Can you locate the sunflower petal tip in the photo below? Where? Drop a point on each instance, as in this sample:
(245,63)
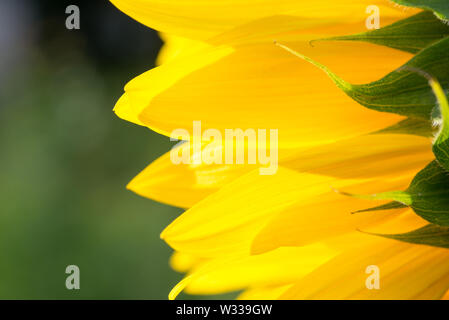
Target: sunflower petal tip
(177,289)
(121,102)
(134,185)
(165,233)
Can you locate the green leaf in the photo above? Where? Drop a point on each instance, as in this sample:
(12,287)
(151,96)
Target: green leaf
(403,91)
(441,144)
(431,235)
(411,35)
(440,7)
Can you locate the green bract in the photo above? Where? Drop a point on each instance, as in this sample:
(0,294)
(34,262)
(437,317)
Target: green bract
(410,35)
(441,144)
(440,7)
(427,195)
(431,235)
(417,91)
(403,91)
(429,192)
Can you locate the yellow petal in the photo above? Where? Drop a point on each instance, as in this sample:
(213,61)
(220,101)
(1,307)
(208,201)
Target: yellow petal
(269,273)
(368,156)
(291,28)
(399,223)
(140,90)
(175,47)
(280,267)
(406,272)
(263,87)
(183,185)
(263,293)
(203,19)
(183,262)
(327,214)
(225,222)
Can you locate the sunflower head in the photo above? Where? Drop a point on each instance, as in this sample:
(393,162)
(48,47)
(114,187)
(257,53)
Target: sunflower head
(353,122)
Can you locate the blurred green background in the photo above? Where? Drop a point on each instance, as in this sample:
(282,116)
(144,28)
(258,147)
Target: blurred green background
(66,158)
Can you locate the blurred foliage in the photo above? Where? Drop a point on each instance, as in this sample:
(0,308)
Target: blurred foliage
(65,161)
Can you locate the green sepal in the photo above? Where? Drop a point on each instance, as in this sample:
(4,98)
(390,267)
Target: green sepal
(441,144)
(403,91)
(402,197)
(429,191)
(431,235)
(411,35)
(388,206)
(427,195)
(439,7)
(414,126)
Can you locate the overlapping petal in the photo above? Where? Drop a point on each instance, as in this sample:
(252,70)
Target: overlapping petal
(406,271)
(261,86)
(203,19)
(277,268)
(329,215)
(263,293)
(256,214)
(175,46)
(279,272)
(226,222)
(362,157)
(290,235)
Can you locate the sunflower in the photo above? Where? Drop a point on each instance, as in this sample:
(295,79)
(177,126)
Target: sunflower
(357,121)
